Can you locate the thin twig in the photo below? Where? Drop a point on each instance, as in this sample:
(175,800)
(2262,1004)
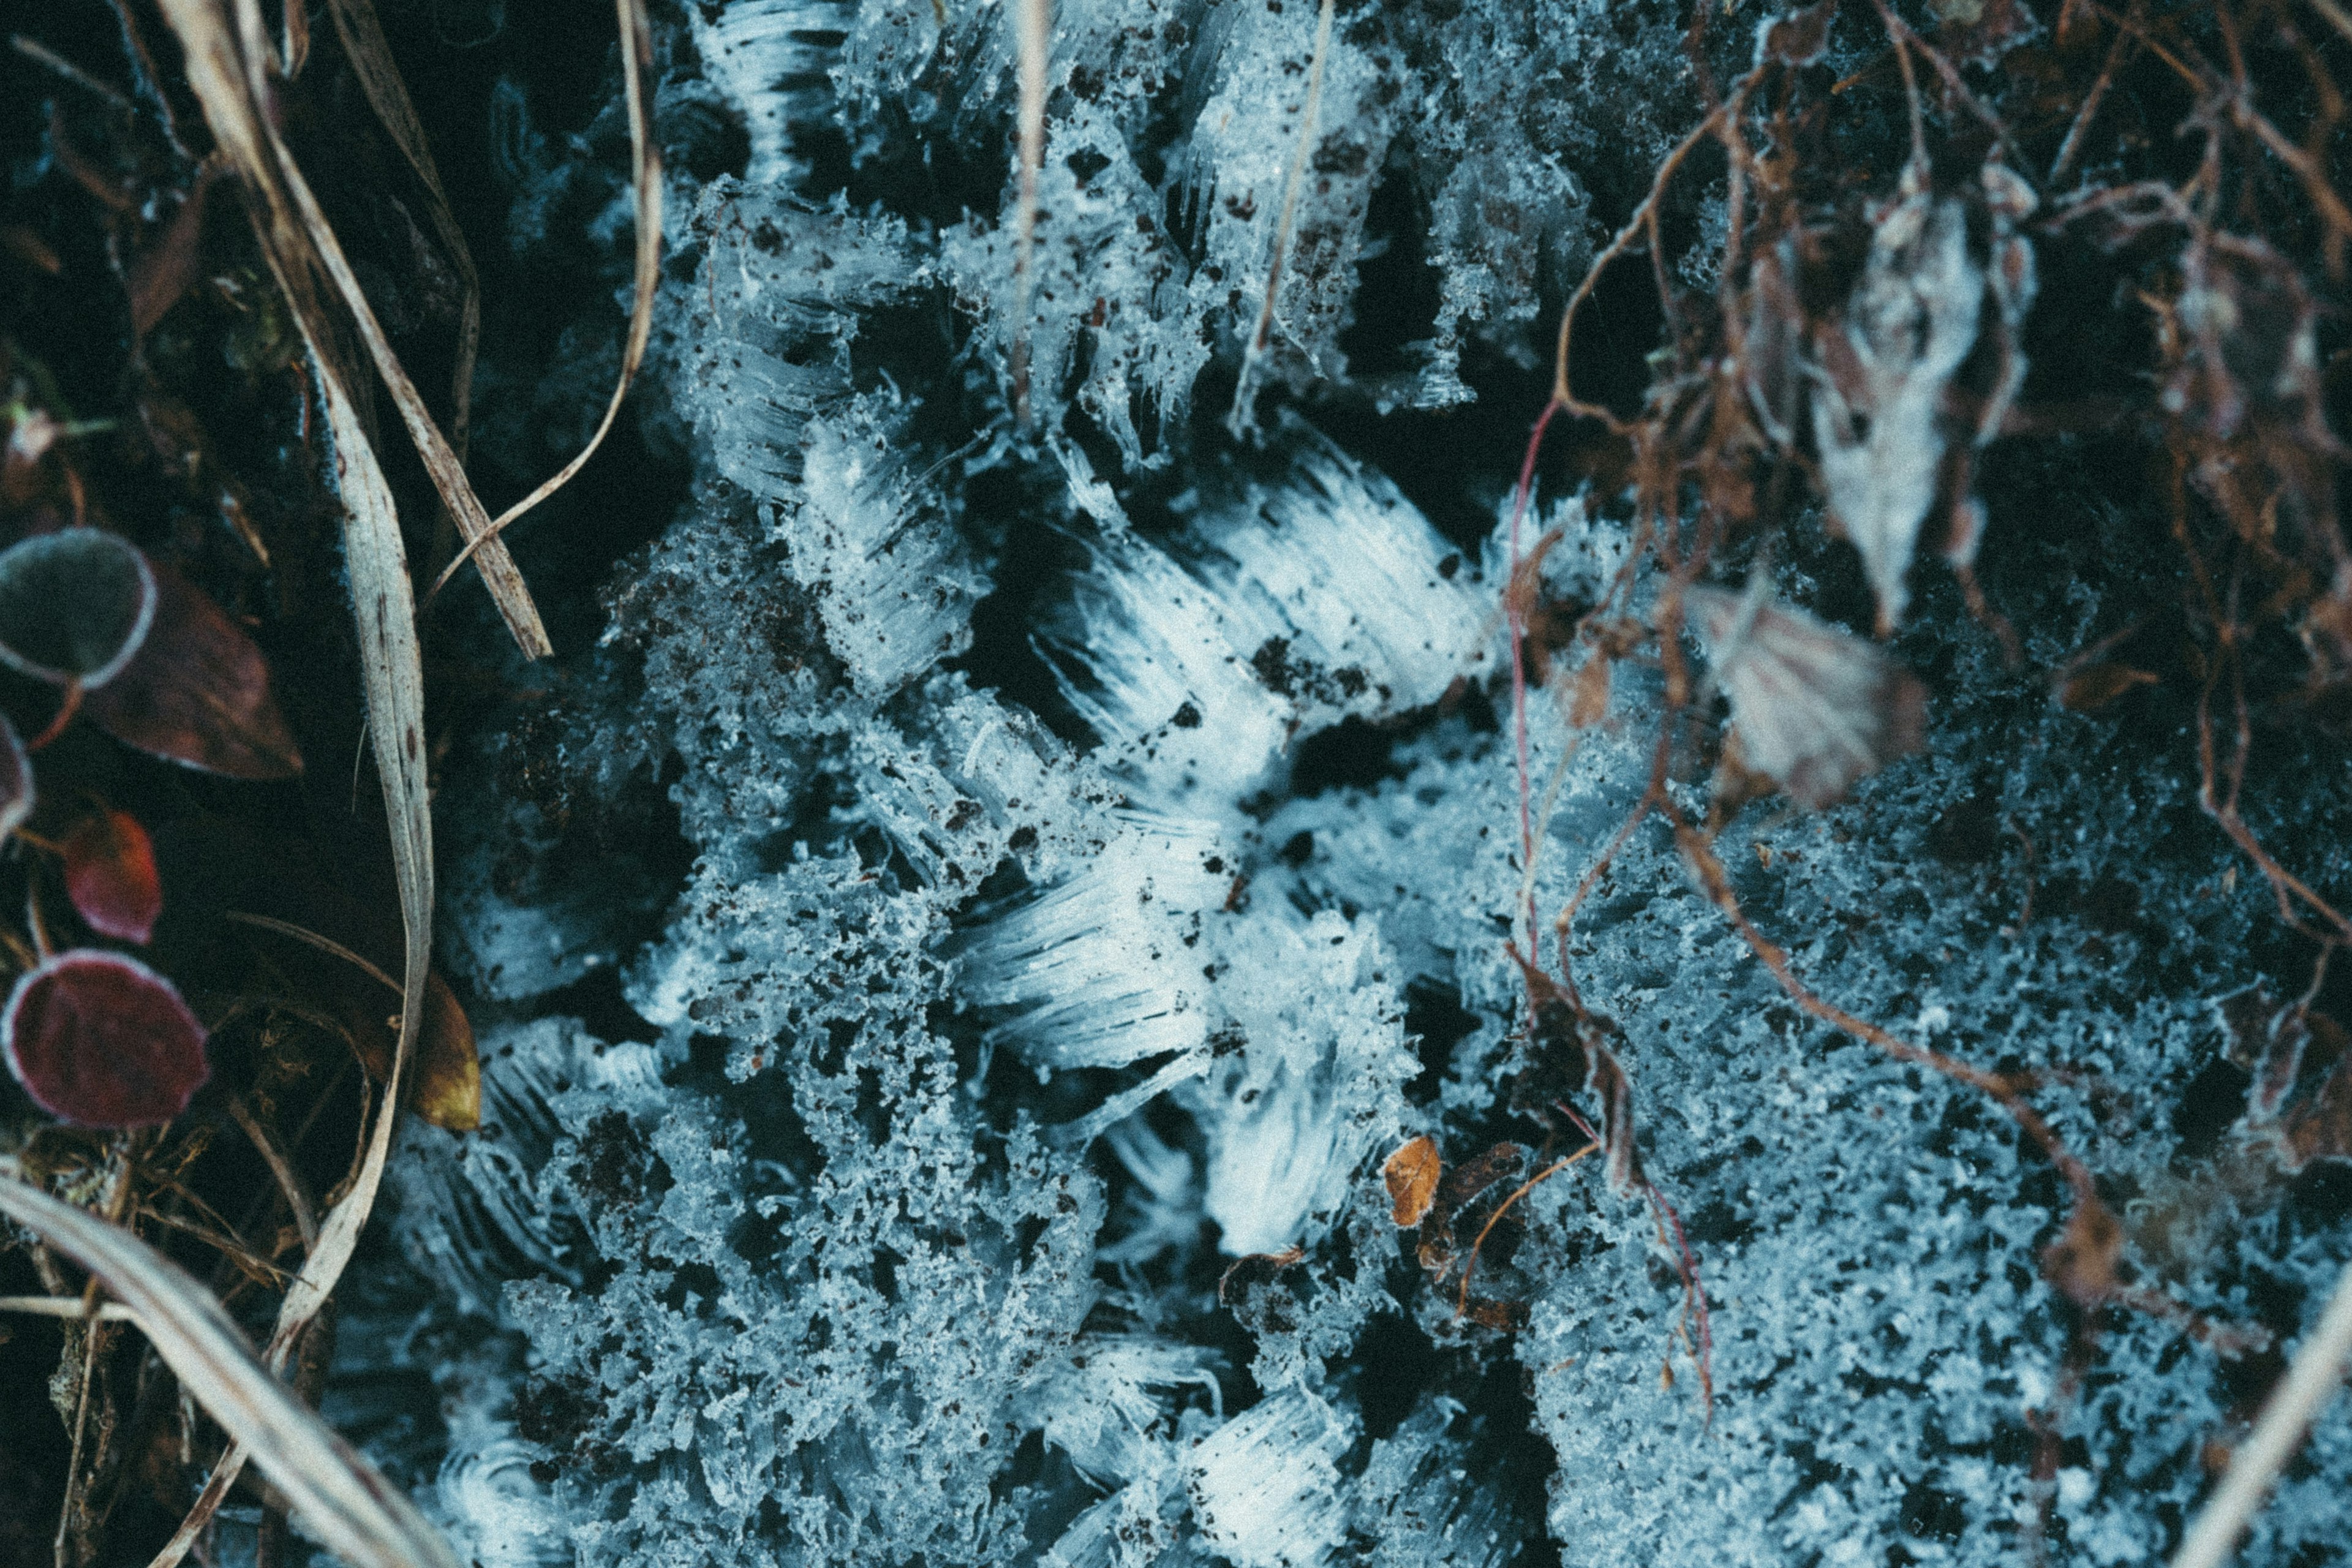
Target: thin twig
(1462,1299)
(1033,36)
(2309,1384)
(1245,391)
(636,63)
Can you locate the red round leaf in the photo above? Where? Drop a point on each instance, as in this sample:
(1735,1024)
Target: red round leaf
(110,876)
(199,692)
(101,1040)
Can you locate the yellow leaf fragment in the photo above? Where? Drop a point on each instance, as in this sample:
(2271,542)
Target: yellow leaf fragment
(1411,1174)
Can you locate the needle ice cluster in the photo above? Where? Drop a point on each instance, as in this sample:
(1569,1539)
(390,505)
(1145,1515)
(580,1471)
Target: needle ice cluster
(951,960)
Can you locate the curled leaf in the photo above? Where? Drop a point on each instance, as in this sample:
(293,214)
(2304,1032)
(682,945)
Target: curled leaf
(1412,1174)
(101,1040)
(15,780)
(110,876)
(1816,707)
(75,606)
(448,1082)
(199,692)
(1884,365)
(2087,690)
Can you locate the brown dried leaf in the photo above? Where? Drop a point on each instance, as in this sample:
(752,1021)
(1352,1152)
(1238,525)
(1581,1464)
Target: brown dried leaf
(197,691)
(1978,32)
(162,273)
(1816,707)
(1257,1268)
(1591,703)
(1456,1191)
(2092,688)
(1884,363)
(1798,38)
(2081,1264)
(1570,1055)
(1412,1174)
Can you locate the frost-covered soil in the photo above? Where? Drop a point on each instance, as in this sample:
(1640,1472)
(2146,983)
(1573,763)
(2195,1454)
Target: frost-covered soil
(986,881)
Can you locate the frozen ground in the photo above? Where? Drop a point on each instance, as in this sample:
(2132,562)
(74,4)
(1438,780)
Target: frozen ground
(986,883)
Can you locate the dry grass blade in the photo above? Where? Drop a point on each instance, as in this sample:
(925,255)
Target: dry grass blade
(339,1495)
(2310,1383)
(364,45)
(1032,40)
(1263,333)
(228,86)
(66,1306)
(636,56)
(230,81)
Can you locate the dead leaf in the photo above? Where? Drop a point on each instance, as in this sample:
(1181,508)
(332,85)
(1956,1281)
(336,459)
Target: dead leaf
(1456,1191)
(2090,689)
(1816,707)
(2081,1264)
(1979,32)
(199,692)
(163,272)
(1884,365)
(449,1081)
(1591,703)
(1798,38)
(1572,1056)
(1412,1174)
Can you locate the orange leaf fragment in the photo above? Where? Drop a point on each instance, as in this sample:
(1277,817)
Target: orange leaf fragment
(1412,1174)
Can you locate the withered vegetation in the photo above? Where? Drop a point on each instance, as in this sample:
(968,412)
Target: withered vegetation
(205,382)
(1847,348)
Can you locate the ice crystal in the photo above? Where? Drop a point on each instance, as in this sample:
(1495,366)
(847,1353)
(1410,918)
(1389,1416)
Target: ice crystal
(953,960)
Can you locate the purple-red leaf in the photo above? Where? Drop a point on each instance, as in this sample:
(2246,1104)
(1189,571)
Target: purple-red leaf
(101,1040)
(110,876)
(198,692)
(75,606)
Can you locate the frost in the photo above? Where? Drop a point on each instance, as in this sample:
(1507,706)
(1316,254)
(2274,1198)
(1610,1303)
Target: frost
(953,960)
(1265,1484)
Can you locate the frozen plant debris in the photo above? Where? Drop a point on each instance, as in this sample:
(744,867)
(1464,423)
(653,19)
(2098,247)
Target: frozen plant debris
(1815,709)
(1884,363)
